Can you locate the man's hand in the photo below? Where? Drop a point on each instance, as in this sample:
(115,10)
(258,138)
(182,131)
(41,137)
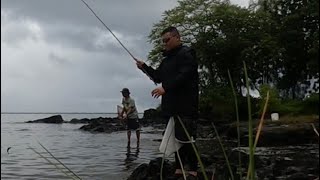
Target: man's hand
(139,63)
(157,92)
(122,117)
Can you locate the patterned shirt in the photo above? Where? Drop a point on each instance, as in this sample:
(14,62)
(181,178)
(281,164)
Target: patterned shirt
(129,103)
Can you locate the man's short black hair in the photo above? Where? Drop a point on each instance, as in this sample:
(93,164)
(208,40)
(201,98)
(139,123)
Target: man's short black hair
(125,90)
(172,30)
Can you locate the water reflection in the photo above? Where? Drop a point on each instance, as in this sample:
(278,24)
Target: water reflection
(131,155)
(92,159)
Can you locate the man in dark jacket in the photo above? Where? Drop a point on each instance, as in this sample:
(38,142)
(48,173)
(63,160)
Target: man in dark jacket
(178,73)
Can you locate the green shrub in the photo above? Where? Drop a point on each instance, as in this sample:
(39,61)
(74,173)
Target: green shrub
(243,108)
(310,105)
(217,103)
(290,107)
(274,104)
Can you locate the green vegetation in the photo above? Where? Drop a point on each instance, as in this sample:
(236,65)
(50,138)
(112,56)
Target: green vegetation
(295,119)
(278,40)
(238,124)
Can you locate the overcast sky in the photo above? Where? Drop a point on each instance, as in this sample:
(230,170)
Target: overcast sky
(57,57)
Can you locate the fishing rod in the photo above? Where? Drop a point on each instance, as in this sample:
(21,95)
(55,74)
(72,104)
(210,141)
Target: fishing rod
(117,39)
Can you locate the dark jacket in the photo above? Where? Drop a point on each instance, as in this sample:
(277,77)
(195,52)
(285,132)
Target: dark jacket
(178,73)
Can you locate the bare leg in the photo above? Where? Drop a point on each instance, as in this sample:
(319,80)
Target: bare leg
(138,137)
(129,136)
(178,171)
(194,173)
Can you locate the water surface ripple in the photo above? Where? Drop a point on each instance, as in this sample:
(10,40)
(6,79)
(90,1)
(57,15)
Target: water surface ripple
(89,155)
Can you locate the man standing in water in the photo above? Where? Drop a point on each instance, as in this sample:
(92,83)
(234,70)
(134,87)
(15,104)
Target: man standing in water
(132,118)
(178,73)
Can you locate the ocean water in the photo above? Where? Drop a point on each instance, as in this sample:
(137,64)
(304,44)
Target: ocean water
(89,155)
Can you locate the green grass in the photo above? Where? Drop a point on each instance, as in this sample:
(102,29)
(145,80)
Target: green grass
(295,119)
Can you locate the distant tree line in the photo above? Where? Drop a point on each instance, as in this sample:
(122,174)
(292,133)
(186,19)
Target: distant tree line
(278,40)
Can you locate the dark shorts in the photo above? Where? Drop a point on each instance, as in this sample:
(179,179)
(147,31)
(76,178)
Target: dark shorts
(133,124)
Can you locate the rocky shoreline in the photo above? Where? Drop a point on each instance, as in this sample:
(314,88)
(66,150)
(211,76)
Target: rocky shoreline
(286,151)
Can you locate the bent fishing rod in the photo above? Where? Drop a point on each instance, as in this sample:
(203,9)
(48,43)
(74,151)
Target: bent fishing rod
(116,39)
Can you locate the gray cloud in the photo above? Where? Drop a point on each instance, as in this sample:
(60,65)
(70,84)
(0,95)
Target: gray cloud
(58,60)
(57,57)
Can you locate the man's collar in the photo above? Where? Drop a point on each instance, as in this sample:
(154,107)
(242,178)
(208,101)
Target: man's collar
(172,51)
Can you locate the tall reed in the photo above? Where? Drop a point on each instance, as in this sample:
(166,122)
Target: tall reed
(64,169)
(224,152)
(251,154)
(259,129)
(261,122)
(164,156)
(239,171)
(195,150)
(315,130)
(179,158)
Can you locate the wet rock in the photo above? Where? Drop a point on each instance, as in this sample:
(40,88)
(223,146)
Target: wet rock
(56,119)
(106,125)
(285,162)
(79,121)
(279,135)
(295,176)
(271,163)
(140,173)
(150,113)
(151,171)
(152,117)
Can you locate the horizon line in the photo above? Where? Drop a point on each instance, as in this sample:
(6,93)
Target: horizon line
(60,113)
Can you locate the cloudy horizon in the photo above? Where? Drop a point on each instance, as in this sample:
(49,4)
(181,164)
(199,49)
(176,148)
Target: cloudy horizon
(57,57)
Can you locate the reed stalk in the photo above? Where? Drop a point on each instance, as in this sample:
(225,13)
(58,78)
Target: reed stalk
(195,150)
(251,148)
(224,152)
(181,165)
(62,169)
(261,121)
(315,130)
(163,158)
(238,123)
(259,128)
(59,161)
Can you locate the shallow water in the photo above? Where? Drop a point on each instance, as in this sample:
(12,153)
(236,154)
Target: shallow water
(89,155)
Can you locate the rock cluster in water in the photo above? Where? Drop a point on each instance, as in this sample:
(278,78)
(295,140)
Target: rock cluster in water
(284,152)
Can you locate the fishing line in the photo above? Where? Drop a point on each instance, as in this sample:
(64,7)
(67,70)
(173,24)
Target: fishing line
(116,38)
(109,30)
